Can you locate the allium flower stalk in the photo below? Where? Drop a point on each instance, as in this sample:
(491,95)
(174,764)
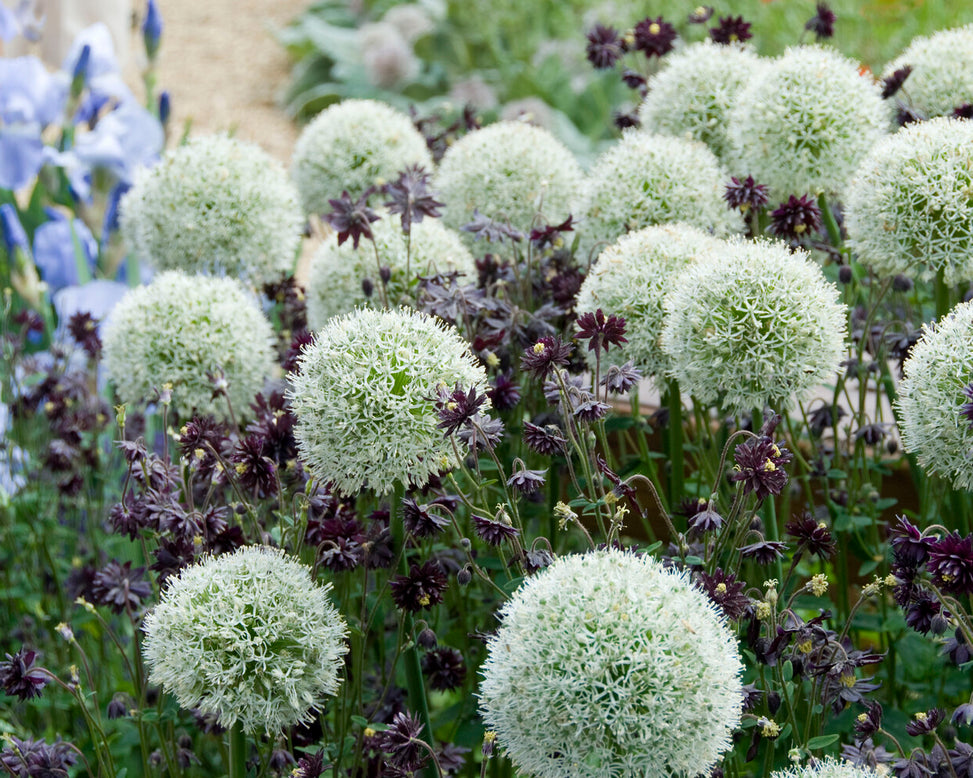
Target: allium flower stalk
(354,145)
(607,664)
(509,172)
(215,205)
(181,328)
(249,637)
(805,121)
(646,179)
(941,71)
(692,95)
(752,326)
(909,210)
(364,396)
(337,272)
(631,278)
(932,395)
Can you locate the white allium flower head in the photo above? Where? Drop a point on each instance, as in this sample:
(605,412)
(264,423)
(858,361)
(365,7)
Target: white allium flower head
(829,767)
(692,94)
(930,398)
(805,121)
(631,278)
(248,636)
(178,329)
(606,664)
(647,179)
(351,146)
(335,275)
(386,54)
(509,172)
(410,19)
(942,71)
(363,394)
(218,206)
(909,208)
(756,324)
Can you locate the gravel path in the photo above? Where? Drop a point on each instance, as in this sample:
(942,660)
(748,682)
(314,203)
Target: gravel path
(224,69)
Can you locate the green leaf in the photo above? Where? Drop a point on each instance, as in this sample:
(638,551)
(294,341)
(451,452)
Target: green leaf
(787,671)
(821,741)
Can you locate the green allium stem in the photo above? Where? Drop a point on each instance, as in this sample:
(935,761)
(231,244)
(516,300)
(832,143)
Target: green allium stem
(237,761)
(942,290)
(675,444)
(830,224)
(413,668)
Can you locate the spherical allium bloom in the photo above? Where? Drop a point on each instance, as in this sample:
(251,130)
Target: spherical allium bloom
(631,278)
(336,273)
(908,209)
(691,95)
(249,637)
(509,172)
(647,179)
(931,397)
(754,325)
(607,664)
(828,767)
(183,330)
(364,397)
(215,205)
(805,121)
(942,71)
(351,146)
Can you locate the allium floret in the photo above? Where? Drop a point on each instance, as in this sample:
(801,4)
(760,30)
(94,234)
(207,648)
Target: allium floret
(510,172)
(829,767)
(181,328)
(364,396)
(941,77)
(336,272)
(647,179)
(754,325)
(692,95)
(631,278)
(215,205)
(931,397)
(909,209)
(607,664)
(249,637)
(353,145)
(805,121)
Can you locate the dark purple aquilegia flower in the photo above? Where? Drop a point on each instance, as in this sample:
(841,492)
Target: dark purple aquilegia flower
(796,219)
(422,588)
(352,218)
(731,29)
(951,563)
(409,195)
(746,195)
(759,465)
(655,37)
(20,678)
(604,47)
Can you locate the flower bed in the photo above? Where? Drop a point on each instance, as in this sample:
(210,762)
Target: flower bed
(438,530)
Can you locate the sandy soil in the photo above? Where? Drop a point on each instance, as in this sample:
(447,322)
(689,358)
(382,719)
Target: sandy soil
(225,70)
